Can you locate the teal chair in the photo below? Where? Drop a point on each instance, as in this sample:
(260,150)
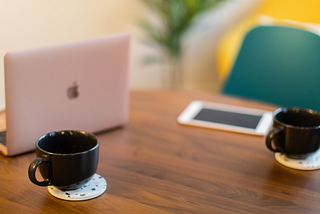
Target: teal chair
(279,65)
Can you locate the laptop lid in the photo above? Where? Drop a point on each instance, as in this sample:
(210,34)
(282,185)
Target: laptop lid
(81,86)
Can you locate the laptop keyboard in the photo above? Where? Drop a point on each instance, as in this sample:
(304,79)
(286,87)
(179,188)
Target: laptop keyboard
(3,137)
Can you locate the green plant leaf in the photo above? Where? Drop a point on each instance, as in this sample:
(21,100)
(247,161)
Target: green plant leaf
(177,17)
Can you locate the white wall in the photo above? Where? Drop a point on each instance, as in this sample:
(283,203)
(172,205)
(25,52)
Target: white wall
(34,23)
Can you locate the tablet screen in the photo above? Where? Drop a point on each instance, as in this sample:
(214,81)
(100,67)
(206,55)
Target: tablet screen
(228,118)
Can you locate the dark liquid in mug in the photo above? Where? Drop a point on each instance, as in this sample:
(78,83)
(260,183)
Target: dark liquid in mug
(67,144)
(299,118)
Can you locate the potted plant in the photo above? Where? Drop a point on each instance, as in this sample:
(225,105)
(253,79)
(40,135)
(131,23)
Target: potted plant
(176,18)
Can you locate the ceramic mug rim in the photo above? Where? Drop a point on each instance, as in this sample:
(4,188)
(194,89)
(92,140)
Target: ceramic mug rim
(295,109)
(62,132)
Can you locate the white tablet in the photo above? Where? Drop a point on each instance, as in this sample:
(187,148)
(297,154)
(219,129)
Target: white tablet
(227,117)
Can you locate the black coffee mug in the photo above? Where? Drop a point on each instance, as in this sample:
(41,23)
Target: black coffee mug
(295,132)
(66,159)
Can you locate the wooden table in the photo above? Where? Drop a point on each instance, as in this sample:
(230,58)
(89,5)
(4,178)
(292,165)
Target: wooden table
(155,165)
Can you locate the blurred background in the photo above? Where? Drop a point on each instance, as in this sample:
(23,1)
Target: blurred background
(208,46)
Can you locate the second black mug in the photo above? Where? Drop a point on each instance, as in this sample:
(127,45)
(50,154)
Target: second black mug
(295,132)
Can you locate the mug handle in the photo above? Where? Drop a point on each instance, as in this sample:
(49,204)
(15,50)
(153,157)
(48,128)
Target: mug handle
(270,137)
(32,172)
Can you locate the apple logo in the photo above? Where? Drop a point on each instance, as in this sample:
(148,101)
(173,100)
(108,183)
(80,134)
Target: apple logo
(72,91)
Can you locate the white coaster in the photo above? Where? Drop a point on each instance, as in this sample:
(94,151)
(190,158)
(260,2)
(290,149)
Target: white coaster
(312,162)
(94,188)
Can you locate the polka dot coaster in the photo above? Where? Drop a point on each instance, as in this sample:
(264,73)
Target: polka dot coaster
(312,162)
(94,188)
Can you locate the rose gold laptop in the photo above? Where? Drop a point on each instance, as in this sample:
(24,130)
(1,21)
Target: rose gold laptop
(81,86)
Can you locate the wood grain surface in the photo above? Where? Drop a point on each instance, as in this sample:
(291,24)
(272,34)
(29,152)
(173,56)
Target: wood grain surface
(155,165)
